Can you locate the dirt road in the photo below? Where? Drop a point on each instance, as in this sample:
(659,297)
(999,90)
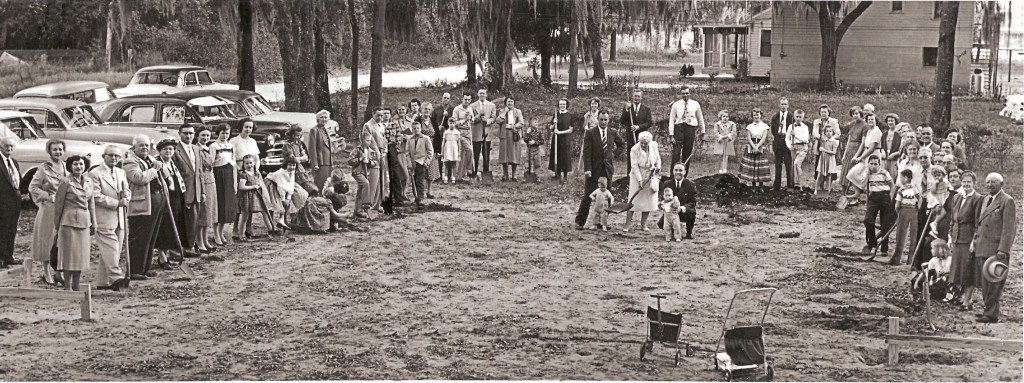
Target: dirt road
(502,287)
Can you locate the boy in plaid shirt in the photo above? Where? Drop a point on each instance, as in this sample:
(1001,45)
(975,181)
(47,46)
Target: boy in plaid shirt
(534,140)
(879,203)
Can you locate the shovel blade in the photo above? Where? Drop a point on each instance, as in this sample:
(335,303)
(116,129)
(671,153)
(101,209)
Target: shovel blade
(530,177)
(185,268)
(487,178)
(842,203)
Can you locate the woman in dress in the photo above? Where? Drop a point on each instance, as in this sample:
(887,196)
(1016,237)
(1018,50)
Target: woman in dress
(558,158)
(872,145)
(43,189)
(510,122)
(244,144)
(754,167)
(224,176)
(966,211)
(589,122)
(855,131)
(725,134)
(433,168)
(75,217)
(207,212)
(823,121)
(295,149)
(645,167)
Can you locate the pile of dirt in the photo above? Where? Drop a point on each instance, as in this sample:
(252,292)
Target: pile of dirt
(727,190)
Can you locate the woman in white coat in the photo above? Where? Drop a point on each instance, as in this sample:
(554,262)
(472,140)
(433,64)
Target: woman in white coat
(644,175)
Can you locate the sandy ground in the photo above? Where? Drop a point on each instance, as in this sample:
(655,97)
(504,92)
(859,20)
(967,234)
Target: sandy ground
(501,287)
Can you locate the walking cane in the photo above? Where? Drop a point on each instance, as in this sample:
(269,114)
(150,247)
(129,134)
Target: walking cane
(124,244)
(874,252)
(174,227)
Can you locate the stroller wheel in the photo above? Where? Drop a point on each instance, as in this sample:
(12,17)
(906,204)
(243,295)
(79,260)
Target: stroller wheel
(643,350)
(769,372)
(728,376)
(677,358)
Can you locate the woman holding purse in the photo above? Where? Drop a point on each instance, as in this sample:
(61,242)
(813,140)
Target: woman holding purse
(510,123)
(75,217)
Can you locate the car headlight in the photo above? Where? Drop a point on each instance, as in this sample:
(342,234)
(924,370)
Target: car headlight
(271,139)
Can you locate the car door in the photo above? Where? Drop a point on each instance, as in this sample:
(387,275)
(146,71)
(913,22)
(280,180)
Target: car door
(46,120)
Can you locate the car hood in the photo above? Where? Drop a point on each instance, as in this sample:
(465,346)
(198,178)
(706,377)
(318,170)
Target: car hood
(306,120)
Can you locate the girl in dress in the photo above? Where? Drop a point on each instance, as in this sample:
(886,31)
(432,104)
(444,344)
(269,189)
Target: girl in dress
(754,168)
(558,158)
(75,218)
(450,152)
(429,130)
(827,168)
(249,182)
(725,133)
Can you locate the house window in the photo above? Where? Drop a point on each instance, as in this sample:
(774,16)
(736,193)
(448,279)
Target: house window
(930,56)
(897,7)
(766,43)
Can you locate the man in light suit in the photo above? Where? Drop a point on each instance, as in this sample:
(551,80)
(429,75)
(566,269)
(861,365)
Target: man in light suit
(146,209)
(112,197)
(10,201)
(993,238)
(599,147)
(320,149)
(375,147)
(484,113)
(186,157)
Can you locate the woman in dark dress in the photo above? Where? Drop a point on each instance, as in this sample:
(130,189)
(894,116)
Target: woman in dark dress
(224,176)
(559,159)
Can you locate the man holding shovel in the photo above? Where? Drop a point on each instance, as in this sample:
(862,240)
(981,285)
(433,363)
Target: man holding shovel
(599,147)
(112,197)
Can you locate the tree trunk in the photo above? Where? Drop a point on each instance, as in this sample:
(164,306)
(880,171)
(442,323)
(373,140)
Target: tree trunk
(295,43)
(594,36)
(354,66)
(832,35)
(996,23)
(321,80)
(110,33)
(574,33)
(246,70)
(668,38)
(500,62)
(470,64)
(374,100)
(829,50)
(545,64)
(611,46)
(942,103)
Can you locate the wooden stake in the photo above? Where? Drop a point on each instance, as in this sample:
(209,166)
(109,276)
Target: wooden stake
(894,350)
(87,302)
(27,265)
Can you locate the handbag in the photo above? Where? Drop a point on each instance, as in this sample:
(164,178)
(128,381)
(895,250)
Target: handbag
(515,135)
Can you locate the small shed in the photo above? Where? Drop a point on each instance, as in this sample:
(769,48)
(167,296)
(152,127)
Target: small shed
(724,47)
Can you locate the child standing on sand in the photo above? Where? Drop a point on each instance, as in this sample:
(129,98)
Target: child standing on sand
(601,199)
(828,168)
(534,140)
(725,137)
(450,153)
(670,206)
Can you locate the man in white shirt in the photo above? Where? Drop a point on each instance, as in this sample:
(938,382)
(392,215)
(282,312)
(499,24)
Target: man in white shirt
(684,117)
(797,138)
(462,117)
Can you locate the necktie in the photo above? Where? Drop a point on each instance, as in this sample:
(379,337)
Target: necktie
(679,184)
(13,171)
(988,201)
(604,138)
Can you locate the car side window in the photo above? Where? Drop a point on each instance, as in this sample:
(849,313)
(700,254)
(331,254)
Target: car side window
(139,113)
(173,114)
(190,79)
(204,78)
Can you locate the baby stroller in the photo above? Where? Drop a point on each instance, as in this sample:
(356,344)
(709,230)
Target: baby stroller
(663,327)
(744,353)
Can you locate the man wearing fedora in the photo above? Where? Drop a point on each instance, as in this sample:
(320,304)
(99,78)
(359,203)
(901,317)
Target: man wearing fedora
(991,246)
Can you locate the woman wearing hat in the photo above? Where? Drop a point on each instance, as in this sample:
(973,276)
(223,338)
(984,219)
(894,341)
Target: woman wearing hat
(645,166)
(855,132)
(166,240)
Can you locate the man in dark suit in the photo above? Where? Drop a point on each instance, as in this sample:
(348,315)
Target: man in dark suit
(686,191)
(993,238)
(10,201)
(779,122)
(439,120)
(635,119)
(186,160)
(598,153)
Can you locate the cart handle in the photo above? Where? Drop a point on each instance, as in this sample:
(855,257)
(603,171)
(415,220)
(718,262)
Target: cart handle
(660,296)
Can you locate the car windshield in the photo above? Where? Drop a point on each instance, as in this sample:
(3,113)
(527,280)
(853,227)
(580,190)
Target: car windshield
(80,116)
(257,106)
(156,77)
(90,96)
(20,128)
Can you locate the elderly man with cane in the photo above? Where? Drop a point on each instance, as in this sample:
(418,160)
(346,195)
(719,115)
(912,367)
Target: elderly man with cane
(111,199)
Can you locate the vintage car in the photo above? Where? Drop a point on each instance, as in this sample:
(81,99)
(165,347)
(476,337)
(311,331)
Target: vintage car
(173,112)
(75,120)
(253,105)
(84,91)
(31,149)
(167,79)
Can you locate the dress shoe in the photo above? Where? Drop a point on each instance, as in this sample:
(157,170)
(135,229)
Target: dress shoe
(579,227)
(120,283)
(688,237)
(205,251)
(152,274)
(980,316)
(191,254)
(139,277)
(111,288)
(987,319)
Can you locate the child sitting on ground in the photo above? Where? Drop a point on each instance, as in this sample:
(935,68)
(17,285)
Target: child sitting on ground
(600,200)
(670,206)
(935,272)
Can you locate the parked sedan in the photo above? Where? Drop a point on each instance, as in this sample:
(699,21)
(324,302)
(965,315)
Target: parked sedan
(31,149)
(168,79)
(254,106)
(173,111)
(75,120)
(84,91)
